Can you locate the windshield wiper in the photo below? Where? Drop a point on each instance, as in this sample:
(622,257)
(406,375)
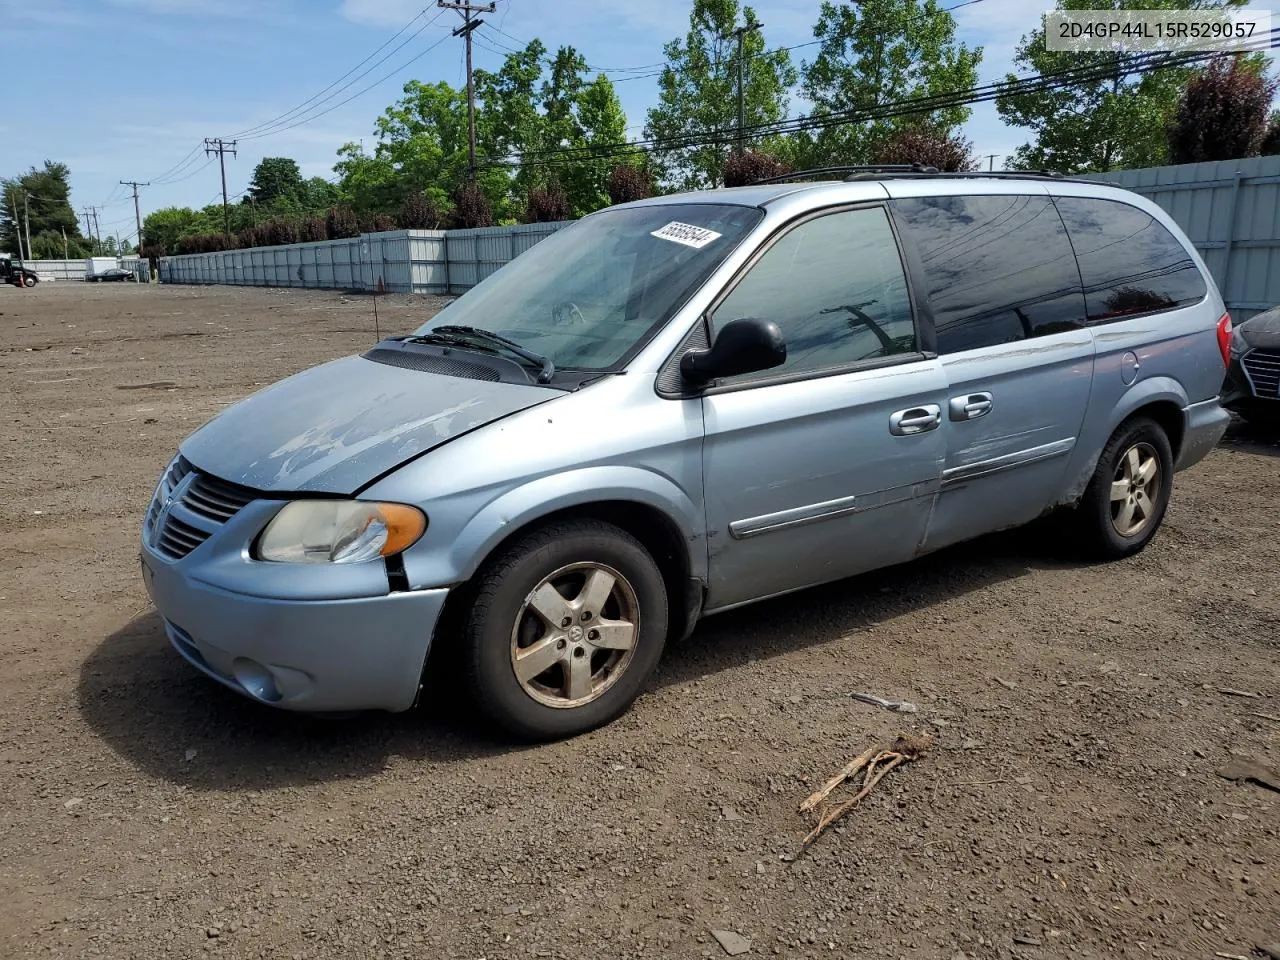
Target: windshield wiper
(461,334)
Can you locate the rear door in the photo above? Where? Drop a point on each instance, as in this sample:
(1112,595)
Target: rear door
(826,466)
(1004,292)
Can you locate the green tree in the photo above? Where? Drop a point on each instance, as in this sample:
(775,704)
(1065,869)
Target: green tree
(276,178)
(698,93)
(601,127)
(1118,119)
(876,52)
(41,197)
(165,227)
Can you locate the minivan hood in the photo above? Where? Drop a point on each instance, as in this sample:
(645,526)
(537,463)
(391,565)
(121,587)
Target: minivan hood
(335,427)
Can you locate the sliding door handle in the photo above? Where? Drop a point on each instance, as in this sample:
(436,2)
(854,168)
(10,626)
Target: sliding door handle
(971,406)
(913,420)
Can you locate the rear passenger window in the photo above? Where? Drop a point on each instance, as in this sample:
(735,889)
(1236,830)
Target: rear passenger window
(1129,262)
(835,287)
(997,268)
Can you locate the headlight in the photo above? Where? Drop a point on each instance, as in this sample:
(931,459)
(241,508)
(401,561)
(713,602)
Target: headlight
(340,531)
(1239,346)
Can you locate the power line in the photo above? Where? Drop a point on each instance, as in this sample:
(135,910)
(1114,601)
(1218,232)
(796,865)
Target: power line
(137,212)
(195,151)
(984,93)
(359,93)
(319,99)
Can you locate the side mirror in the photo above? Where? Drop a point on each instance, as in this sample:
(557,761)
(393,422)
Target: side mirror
(745,345)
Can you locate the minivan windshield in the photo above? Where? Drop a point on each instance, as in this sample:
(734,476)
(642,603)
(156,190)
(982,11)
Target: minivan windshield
(590,292)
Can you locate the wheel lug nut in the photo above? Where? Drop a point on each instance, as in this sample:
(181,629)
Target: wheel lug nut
(566,621)
(561,644)
(593,634)
(586,615)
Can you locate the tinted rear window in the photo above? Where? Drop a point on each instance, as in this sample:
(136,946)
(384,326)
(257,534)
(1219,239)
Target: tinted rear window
(997,268)
(1129,262)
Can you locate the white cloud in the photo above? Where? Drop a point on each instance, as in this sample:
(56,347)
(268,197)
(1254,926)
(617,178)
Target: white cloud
(381,13)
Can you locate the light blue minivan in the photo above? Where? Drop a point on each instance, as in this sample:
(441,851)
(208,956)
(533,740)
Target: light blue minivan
(679,406)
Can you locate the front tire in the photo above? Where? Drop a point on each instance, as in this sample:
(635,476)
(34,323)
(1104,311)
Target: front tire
(28,281)
(566,626)
(1128,495)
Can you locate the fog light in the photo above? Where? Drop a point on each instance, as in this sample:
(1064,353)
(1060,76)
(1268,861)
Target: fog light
(256,679)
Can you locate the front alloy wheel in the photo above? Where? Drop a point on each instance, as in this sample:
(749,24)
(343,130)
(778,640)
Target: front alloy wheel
(575,635)
(564,627)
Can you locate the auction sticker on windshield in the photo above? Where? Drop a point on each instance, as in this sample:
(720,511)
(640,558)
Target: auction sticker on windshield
(686,233)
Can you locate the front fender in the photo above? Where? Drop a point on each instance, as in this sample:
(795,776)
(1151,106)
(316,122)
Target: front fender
(458,560)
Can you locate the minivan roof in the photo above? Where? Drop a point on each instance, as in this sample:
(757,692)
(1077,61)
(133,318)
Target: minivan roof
(763,194)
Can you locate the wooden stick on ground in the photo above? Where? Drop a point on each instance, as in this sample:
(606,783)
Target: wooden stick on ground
(876,764)
(852,767)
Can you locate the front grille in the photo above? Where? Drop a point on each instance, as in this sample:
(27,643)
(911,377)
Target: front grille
(197,505)
(177,539)
(1263,368)
(217,499)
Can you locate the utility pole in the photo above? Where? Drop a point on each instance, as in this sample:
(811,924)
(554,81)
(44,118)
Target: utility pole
(66,248)
(741,33)
(469,25)
(991,160)
(91,226)
(17,232)
(97,228)
(26,216)
(222,148)
(137,214)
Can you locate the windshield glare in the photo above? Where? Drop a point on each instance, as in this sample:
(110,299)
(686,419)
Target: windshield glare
(589,293)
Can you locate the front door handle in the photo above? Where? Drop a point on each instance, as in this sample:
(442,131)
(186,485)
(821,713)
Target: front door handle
(909,422)
(971,406)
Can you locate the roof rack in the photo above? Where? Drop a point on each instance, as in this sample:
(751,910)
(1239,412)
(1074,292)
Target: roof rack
(864,168)
(884,171)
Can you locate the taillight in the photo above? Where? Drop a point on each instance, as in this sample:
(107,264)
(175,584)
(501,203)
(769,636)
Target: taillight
(1224,339)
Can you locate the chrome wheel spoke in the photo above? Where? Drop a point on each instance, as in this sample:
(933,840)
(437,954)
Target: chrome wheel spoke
(595,592)
(1124,521)
(1147,472)
(539,658)
(614,635)
(1142,504)
(1119,491)
(578,679)
(552,607)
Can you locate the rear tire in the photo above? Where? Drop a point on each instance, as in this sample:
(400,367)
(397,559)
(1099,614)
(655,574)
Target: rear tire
(1127,497)
(566,626)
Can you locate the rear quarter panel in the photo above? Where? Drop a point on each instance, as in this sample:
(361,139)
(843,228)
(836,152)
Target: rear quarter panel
(1177,352)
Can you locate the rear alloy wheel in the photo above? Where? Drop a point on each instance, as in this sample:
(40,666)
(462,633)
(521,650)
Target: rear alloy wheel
(1135,490)
(1125,501)
(566,626)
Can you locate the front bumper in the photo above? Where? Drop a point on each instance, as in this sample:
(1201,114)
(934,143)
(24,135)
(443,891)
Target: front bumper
(1238,392)
(363,653)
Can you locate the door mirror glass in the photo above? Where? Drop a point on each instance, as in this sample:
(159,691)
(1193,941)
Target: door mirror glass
(745,345)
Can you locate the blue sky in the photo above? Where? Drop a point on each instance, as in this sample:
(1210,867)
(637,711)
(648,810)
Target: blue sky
(126,89)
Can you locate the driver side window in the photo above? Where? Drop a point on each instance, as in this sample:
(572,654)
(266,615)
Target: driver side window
(835,287)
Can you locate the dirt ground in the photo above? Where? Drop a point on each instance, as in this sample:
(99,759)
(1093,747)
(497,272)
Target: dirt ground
(1071,806)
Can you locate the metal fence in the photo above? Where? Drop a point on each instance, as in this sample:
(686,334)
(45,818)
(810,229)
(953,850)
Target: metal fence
(1230,210)
(398,261)
(74,269)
